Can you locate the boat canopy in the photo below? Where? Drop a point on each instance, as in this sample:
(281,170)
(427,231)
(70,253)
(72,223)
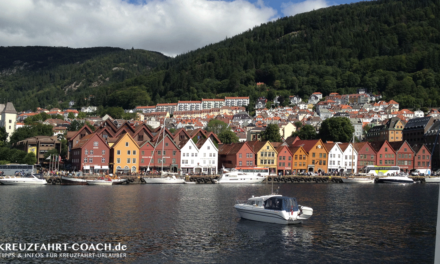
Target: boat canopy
(281,203)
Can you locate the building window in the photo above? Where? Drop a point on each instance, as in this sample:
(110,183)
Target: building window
(126,144)
(134,152)
(128,160)
(163,152)
(91,152)
(103,152)
(134,160)
(142,160)
(87,152)
(239,163)
(239,155)
(103,160)
(174,153)
(90,160)
(118,160)
(166,144)
(95,144)
(85,160)
(128,152)
(118,152)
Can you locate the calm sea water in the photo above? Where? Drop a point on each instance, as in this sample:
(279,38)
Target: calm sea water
(197,223)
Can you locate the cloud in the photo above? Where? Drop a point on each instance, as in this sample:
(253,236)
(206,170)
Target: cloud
(291,9)
(168,26)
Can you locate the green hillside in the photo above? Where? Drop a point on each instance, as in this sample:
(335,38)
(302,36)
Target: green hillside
(390,47)
(46,76)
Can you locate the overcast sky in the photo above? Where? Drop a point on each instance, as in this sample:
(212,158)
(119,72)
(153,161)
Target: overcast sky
(168,26)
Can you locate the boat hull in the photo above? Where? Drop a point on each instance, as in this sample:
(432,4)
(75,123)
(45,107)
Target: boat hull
(383,180)
(432,180)
(72,181)
(167,180)
(18,181)
(357,180)
(273,216)
(99,182)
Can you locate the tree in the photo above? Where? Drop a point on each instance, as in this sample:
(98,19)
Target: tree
(30,159)
(272,133)
(81,115)
(305,133)
(75,125)
(298,124)
(64,148)
(216,126)
(34,130)
(172,130)
(338,129)
(71,115)
(3,136)
(228,137)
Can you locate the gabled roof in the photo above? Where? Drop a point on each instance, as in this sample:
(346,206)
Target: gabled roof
(121,137)
(83,141)
(377,145)
(255,146)
(309,144)
(85,127)
(360,145)
(291,140)
(280,148)
(231,149)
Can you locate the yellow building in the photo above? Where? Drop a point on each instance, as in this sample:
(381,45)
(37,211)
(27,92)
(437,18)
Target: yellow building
(124,155)
(266,155)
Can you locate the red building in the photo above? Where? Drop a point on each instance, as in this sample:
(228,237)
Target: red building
(385,154)
(366,155)
(166,150)
(422,158)
(236,155)
(284,160)
(91,154)
(404,155)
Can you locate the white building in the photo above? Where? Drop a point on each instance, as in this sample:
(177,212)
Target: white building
(8,118)
(167,107)
(189,157)
(189,105)
(208,156)
(145,109)
(350,157)
(419,113)
(89,109)
(237,101)
(212,103)
(335,157)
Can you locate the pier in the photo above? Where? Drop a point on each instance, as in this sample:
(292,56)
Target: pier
(209,179)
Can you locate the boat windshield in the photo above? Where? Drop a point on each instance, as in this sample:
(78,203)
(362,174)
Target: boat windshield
(281,203)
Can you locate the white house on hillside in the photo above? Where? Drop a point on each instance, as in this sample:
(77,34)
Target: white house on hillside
(8,118)
(335,157)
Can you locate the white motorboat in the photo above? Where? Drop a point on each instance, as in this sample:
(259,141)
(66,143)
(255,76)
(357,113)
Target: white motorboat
(105,181)
(357,180)
(72,181)
(28,179)
(395,179)
(432,179)
(275,209)
(239,177)
(167,180)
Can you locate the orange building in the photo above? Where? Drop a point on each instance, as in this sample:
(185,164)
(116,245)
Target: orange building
(299,160)
(124,155)
(317,154)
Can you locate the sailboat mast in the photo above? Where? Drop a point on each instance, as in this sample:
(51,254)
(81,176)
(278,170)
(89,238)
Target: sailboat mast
(352,146)
(163,140)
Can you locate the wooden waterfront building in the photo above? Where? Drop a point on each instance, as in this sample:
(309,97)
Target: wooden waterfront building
(317,154)
(91,154)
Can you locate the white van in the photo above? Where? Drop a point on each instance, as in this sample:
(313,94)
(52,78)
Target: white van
(420,172)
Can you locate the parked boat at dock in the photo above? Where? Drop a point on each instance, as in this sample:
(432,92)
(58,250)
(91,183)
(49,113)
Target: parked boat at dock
(395,179)
(28,179)
(357,180)
(164,180)
(72,181)
(236,176)
(432,179)
(273,208)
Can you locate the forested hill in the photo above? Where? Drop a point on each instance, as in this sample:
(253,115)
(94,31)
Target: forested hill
(388,46)
(45,76)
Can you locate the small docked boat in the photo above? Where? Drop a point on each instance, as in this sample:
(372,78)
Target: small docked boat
(357,180)
(28,179)
(273,208)
(432,179)
(105,181)
(164,180)
(72,181)
(395,179)
(239,177)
